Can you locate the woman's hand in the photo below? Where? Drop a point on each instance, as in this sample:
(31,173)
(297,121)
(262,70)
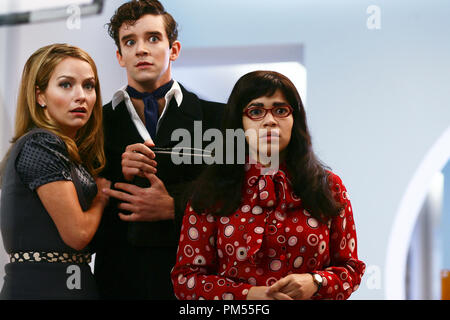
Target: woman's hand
(102,183)
(75,226)
(296,286)
(261,293)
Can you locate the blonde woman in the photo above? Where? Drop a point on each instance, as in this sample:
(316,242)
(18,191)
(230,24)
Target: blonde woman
(50,204)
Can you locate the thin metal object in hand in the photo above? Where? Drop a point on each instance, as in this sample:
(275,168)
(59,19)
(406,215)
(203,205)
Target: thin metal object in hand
(183,151)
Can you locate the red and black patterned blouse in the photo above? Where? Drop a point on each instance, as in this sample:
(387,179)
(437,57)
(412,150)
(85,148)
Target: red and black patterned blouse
(269,237)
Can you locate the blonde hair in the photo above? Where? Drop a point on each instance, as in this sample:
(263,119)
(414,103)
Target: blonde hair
(87,147)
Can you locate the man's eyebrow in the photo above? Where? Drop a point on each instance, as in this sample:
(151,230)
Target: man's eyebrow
(148,33)
(126,37)
(153,33)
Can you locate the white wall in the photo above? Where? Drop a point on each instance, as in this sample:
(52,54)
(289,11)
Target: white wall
(3,59)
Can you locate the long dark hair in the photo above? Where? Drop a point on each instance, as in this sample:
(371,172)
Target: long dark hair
(218,190)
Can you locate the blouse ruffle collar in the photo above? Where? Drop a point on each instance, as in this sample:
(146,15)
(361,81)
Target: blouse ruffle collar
(266,192)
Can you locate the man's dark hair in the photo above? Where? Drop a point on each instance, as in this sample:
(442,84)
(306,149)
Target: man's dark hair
(132,11)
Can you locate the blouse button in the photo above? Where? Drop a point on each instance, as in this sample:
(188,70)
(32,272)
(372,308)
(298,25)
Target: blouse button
(66,175)
(279,225)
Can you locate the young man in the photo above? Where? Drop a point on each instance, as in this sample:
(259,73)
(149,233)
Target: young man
(138,237)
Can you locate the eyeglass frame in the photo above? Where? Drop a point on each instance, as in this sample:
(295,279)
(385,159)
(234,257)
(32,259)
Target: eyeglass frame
(246,111)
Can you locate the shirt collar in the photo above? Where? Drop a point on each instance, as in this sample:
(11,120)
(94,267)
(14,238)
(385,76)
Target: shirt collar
(122,94)
(254,168)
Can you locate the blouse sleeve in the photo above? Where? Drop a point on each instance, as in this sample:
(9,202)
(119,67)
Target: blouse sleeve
(195,274)
(343,274)
(43,159)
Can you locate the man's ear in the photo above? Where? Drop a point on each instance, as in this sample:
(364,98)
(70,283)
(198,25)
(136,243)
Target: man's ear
(175,50)
(120,59)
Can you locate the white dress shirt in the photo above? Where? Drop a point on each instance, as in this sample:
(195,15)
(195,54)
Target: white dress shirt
(122,94)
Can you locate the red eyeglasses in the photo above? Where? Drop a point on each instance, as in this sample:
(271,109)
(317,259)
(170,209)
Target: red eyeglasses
(258,113)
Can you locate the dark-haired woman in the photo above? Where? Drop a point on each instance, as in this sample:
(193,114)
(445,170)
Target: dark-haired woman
(283,233)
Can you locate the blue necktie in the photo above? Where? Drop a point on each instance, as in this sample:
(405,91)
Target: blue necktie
(150,105)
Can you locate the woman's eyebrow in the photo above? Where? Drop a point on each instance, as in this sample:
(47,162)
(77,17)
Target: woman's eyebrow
(73,78)
(256,104)
(275,104)
(65,77)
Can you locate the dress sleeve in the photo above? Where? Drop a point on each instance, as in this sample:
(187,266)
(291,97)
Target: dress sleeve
(195,274)
(343,274)
(43,159)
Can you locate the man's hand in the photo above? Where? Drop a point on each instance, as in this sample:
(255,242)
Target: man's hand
(146,204)
(296,286)
(138,159)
